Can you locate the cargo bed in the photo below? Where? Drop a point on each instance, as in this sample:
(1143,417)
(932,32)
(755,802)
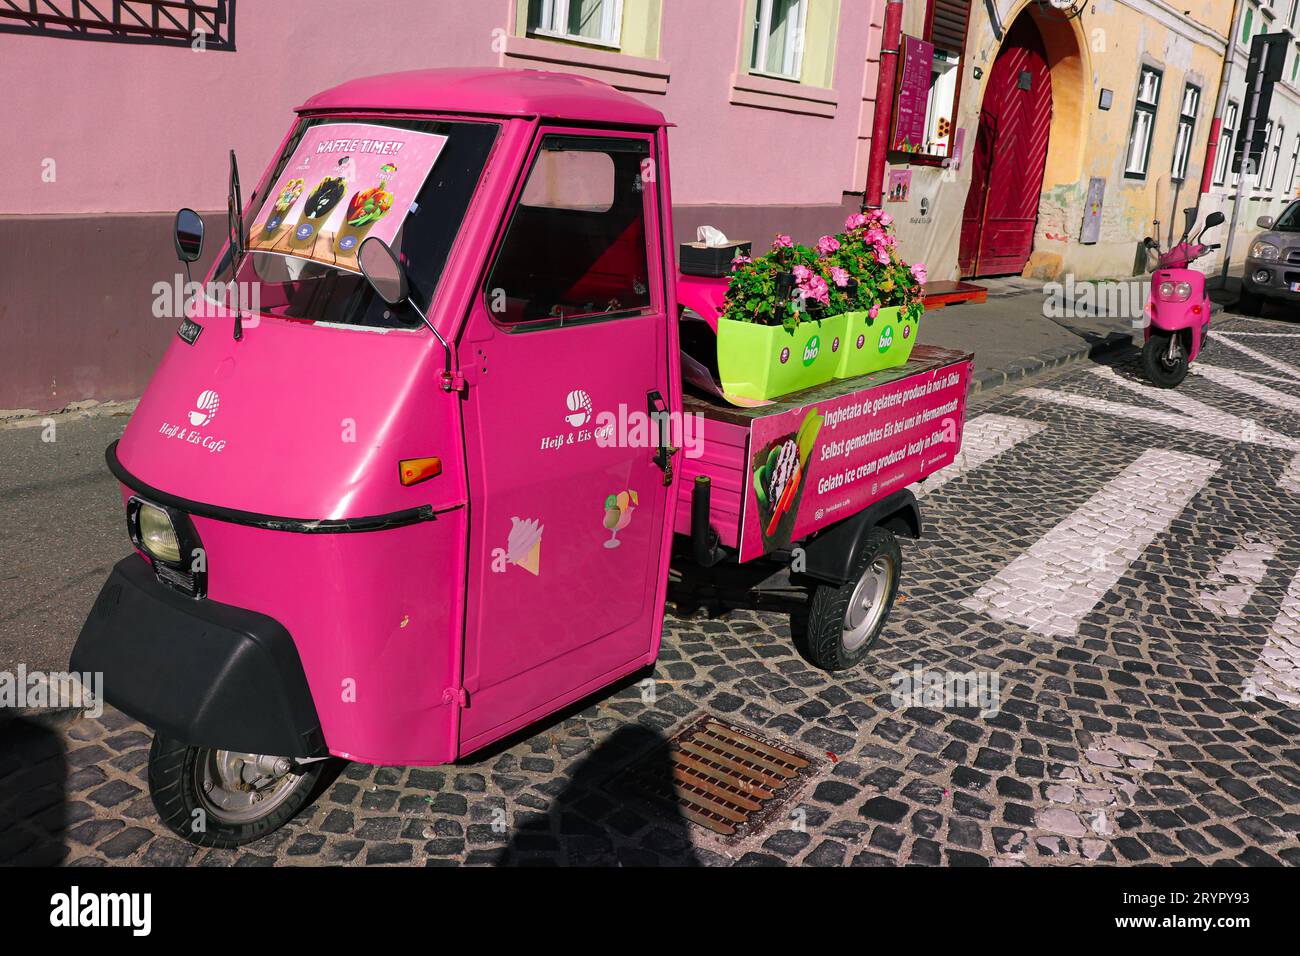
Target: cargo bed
(780,472)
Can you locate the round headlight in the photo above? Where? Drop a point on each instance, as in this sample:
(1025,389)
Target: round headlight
(1183,291)
(1166,290)
(1263,250)
(157,536)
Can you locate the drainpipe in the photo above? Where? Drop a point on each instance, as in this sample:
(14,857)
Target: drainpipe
(891,36)
(1225,84)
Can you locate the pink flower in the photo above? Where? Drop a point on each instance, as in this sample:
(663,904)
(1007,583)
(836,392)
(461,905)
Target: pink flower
(874,311)
(839,276)
(817,289)
(919,272)
(826,245)
(782,242)
(739,261)
(886,219)
(882,255)
(801,274)
(855,221)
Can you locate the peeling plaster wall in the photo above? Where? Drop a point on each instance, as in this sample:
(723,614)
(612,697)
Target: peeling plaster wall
(1101,49)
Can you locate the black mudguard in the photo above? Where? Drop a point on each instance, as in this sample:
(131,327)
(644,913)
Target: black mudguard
(200,672)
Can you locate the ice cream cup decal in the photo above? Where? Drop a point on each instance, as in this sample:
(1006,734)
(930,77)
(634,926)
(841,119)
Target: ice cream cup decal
(320,203)
(366,208)
(283,203)
(618,514)
(524,546)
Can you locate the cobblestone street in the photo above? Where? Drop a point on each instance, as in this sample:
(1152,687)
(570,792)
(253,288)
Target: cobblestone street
(1123,560)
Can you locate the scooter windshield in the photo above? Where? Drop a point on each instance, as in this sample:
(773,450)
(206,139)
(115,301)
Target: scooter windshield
(336,183)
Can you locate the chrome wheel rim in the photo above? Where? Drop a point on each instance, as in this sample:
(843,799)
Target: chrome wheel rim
(867,604)
(241,788)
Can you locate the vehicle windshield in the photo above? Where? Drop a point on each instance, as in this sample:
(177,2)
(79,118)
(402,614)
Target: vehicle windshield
(336,182)
(1289,221)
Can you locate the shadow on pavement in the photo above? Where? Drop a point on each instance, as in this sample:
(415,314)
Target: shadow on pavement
(33,793)
(568,832)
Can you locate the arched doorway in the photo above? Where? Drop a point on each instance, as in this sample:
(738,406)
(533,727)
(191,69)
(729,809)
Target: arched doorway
(1010,157)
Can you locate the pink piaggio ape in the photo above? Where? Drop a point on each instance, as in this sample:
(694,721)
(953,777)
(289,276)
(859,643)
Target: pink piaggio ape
(408,477)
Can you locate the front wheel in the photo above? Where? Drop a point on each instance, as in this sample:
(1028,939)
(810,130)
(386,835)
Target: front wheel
(221,798)
(844,622)
(1165,360)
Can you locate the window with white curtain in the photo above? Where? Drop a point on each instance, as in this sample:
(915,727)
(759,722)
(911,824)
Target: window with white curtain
(1226,140)
(1186,128)
(1144,121)
(778,38)
(1292,184)
(586,21)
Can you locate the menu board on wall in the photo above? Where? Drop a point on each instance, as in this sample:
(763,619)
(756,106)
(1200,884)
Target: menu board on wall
(344,182)
(916,65)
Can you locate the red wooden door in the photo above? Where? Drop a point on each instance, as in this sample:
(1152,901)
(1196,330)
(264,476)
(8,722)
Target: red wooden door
(1009,158)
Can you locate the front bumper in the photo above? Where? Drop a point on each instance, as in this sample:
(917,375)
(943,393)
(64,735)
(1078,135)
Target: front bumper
(1281,275)
(204,673)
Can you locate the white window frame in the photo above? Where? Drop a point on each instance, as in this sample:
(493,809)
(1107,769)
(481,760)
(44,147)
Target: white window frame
(555,24)
(1227,143)
(1186,130)
(1269,129)
(1150,109)
(1293,184)
(1274,155)
(792,57)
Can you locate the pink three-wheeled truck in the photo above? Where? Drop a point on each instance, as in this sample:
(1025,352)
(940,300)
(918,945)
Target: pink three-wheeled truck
(390,489)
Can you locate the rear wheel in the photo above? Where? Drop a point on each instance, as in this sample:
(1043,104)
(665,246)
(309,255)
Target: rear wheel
(844,622)
(1165,359)
(222,798)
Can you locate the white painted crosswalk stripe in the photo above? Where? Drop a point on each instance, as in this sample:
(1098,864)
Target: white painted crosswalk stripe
(1234,581)
(1277,675)
(1229,339)
(1052,586)
(984,438)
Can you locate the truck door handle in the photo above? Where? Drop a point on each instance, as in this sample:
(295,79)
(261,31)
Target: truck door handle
(658,411)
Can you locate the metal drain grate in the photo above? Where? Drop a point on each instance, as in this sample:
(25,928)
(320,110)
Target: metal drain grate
(718,775)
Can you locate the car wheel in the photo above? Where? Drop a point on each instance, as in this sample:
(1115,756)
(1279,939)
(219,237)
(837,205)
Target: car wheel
(844,622)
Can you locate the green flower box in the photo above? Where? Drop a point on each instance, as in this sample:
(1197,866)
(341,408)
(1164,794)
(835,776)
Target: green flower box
(766,361)
(885,342)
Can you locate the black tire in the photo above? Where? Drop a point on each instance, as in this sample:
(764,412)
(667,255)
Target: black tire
(175,784)
(1250,304)
(824,640)
(1155,361)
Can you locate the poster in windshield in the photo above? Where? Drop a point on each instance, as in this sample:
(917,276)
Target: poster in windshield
(343,183)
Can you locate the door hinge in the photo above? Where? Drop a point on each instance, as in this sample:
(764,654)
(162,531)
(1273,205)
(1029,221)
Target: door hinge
(453,381)
(456,695)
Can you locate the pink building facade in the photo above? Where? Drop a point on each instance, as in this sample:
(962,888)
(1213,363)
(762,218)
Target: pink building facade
(114,129)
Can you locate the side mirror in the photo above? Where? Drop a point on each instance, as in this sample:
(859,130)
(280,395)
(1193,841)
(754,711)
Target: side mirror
(1214,219)
(188,235)
(1265,222)
(382,270)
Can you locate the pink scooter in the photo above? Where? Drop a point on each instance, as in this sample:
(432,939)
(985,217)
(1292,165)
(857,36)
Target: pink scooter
(1179,308)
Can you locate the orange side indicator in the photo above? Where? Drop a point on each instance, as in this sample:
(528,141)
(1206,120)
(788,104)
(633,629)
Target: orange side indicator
(412,471)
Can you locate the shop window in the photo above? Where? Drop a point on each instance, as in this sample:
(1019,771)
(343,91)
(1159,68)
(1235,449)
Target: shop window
(1191,108)
(598,22)
(1227,138)
(575,249)
(945,28)
(778,40)
(1144,122)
